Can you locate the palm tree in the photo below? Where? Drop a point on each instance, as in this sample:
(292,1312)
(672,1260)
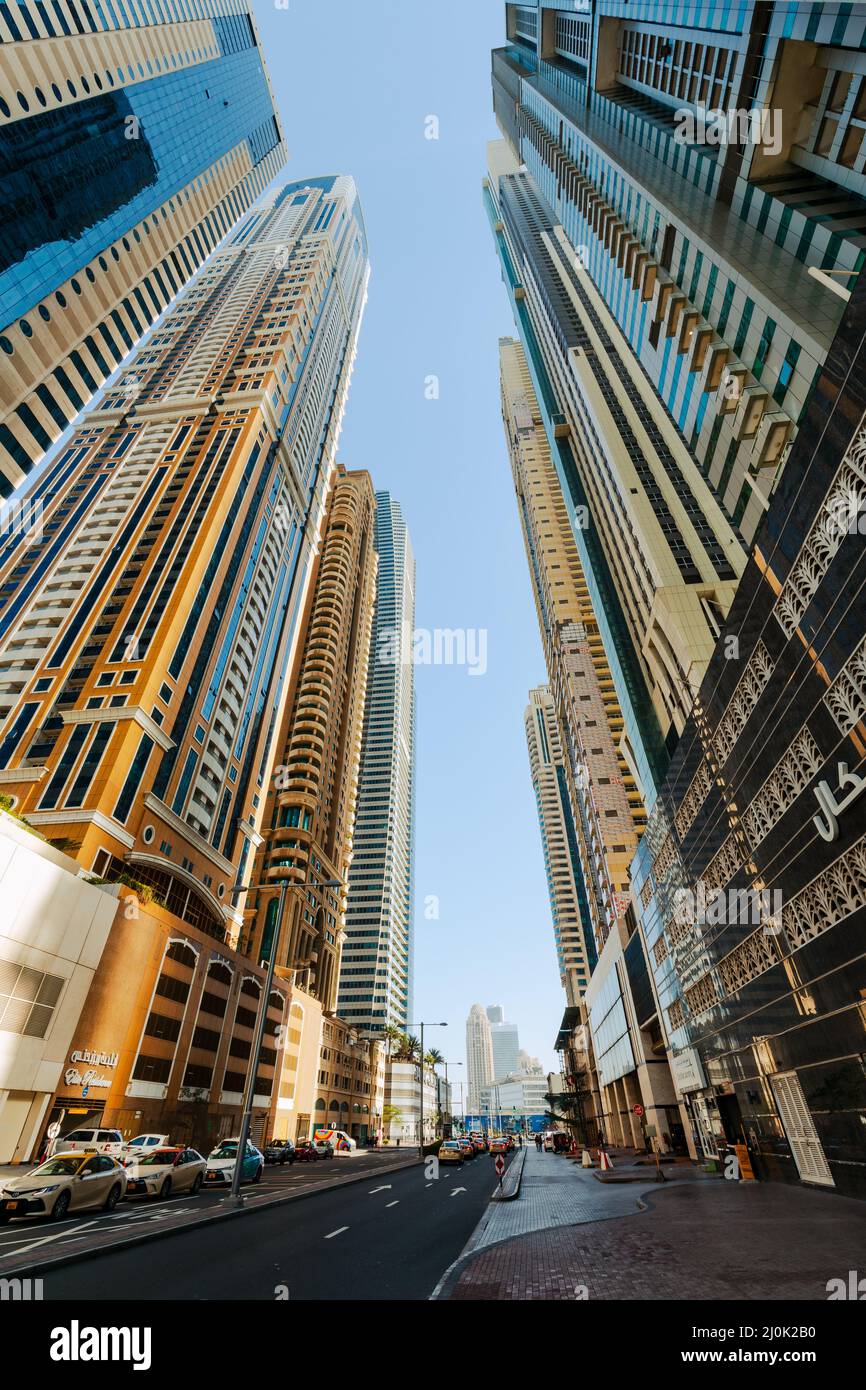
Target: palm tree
(413,1047)
(435,1058)
(391,1036)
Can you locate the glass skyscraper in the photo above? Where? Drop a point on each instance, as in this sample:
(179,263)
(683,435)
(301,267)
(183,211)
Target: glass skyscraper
(376,969)
(145,644)
(131,142)
(676,297)
(506,1043)
(703,249)
(693,328)
(751,876)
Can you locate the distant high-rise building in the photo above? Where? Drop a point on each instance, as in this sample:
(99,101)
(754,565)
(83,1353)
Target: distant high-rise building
(146,641)
(310,806)
(130,145)
(479,1056)
(495,1013)
(376,973)
(576,951)
(528,1063)
(506,1045)
(588,802)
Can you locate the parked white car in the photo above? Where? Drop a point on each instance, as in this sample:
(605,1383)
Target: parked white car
(221,1163)
(161,1172)
(142,1144)
(102,1141)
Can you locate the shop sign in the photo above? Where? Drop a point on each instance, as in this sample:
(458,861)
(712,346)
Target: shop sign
(687,1072)
(92,1058)
(73,1077)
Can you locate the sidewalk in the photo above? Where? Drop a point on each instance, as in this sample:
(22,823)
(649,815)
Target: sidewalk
(568,1236)
(557,1192)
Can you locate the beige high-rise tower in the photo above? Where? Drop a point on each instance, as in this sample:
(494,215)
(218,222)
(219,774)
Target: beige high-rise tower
(600,790)
(310,807)
(479,1056)
(575,945)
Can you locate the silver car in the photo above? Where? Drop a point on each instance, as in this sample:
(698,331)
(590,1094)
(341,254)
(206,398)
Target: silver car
(164,1171)
(67,1182)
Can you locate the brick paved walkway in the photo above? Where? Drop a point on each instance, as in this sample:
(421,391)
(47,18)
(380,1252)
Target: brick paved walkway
(556,1192)
(696,1240)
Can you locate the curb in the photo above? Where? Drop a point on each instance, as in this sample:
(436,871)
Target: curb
(146,1237)
(506,1194)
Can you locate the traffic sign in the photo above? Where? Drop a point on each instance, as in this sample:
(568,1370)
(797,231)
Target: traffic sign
(499,1164)
(637,1109)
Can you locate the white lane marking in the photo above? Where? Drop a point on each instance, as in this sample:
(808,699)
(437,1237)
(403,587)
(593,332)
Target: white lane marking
(392,1204)
(339,1231)
(455,1190)
(386,1187)
(429,1185)
(55,1235)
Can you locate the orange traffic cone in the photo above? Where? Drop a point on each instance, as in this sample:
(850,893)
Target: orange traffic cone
(586,1161)
(605,1161)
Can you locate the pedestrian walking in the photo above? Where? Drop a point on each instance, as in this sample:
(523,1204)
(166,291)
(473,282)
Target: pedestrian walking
(538,1142)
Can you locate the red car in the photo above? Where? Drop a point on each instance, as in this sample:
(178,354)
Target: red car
(308,1152)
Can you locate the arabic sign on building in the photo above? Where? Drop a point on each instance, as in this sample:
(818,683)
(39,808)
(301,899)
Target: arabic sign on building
(92,1058)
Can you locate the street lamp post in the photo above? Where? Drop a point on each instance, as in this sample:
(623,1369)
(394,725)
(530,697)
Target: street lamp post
(422,1026)
(255,1056)
(462,1108)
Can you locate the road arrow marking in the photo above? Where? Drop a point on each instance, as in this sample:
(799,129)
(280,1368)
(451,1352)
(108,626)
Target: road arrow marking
(455,1190)
(386,1187)
(338,1232)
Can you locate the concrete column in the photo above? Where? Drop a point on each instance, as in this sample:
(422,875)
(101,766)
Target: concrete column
(623,1138)
(4,1158)
(610,1125)
(31,1132)
(633,1098)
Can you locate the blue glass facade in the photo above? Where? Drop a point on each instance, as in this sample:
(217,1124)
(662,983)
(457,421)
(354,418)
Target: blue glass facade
(75,179)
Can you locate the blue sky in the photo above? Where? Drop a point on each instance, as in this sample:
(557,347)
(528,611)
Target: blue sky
(355,84)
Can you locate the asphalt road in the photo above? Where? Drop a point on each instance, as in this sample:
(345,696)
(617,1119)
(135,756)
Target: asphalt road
(37,1237)
(390,1238)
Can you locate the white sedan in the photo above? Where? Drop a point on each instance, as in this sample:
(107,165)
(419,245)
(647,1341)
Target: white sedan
(142,1144)
(164,1171)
